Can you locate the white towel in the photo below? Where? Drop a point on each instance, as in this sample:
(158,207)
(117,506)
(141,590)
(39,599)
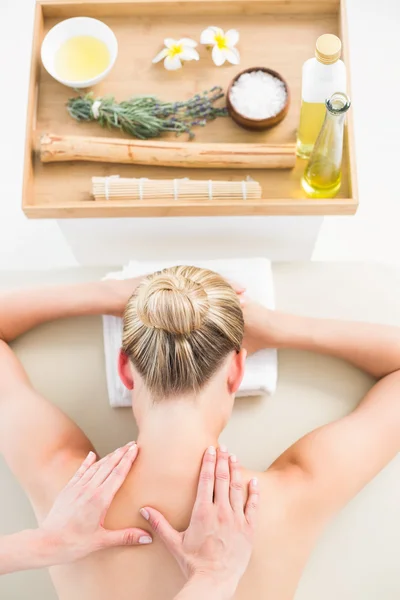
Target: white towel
(254,274)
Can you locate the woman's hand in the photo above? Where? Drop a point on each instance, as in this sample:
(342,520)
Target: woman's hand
(258,322)
(120,291)
(74,526)
(215,549)
(260,330)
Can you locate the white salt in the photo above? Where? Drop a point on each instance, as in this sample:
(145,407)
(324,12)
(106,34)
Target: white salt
(258,95)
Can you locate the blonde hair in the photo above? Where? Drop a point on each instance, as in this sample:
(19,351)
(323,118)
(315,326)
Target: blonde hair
(179,326)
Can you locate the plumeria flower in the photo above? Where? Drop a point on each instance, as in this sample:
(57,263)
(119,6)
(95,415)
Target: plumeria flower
(223,45)
(176,51)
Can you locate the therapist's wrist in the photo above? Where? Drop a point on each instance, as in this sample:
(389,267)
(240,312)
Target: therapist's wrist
(57,547)
(213,586)
(27,549)
(60,547)
(49,547)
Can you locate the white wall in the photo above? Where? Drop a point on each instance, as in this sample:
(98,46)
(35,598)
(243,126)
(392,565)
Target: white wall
(370,235)
(373,234)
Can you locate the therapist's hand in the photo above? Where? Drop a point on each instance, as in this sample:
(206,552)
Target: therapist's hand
(74,526)
(215,549)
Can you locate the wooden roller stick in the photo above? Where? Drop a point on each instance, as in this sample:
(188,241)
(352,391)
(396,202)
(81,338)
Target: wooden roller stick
(193,155)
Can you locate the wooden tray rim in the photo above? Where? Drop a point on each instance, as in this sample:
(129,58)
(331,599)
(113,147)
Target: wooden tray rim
(335,206)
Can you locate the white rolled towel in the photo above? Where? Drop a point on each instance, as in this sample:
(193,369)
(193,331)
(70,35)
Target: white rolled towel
(255,274)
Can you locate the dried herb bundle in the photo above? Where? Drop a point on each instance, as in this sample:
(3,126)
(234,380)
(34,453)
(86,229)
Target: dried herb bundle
(147,117)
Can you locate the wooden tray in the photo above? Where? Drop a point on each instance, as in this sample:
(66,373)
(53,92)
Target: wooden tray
(279,34)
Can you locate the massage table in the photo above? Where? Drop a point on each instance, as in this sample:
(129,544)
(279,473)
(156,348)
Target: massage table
(357,558)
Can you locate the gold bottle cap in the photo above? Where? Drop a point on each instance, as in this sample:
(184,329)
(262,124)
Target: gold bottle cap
(328,49)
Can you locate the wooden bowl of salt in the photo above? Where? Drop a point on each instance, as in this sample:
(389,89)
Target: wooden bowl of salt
(258,98)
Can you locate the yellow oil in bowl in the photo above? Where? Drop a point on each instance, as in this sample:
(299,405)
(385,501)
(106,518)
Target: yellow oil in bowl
(81,58)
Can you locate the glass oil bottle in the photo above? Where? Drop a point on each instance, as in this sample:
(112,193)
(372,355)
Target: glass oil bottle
(323,174)
(322,75)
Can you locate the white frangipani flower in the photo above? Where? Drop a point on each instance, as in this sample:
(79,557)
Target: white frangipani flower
(223,45)
(176,51)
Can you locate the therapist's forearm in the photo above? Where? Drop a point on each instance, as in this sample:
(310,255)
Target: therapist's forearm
(28,549)
(201,589)
(22,310)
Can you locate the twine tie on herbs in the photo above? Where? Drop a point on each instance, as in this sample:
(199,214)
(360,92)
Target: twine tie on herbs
(96,109)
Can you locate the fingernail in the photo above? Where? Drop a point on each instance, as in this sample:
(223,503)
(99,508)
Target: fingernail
(254,482)
(144,513)
(133,447)
(145,539)
(131,443)
(223,448)
(211,450)
(233,458)
(91,454)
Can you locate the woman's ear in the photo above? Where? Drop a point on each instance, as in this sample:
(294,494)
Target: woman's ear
(236,371)
(124,370)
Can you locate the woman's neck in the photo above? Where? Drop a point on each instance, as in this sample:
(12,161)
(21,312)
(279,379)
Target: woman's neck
(176,431)
(174,434)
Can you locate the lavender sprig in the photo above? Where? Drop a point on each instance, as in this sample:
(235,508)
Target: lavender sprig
(147,117)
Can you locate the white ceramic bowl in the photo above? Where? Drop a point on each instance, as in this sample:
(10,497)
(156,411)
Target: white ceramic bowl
(61,32)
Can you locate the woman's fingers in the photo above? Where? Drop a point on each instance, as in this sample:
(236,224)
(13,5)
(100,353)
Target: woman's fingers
(205,489)
(160,525)
(222,477)
(85,466)
(236,485)
(239,289)
(252,501)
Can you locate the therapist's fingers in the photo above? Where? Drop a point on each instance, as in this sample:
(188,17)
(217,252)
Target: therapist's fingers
(236,485)
(102,468)
(124,537)
(205,489)
(252,502)
(222,477)
(117,476)
(159,524)
(115,465)
(85,466)
(86,477)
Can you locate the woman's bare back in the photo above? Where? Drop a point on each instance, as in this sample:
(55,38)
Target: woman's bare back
(284,539)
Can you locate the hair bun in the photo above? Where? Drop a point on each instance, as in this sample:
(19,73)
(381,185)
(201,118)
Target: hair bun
(179,327)
(172,302)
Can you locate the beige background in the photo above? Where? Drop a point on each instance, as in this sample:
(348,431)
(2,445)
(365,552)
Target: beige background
(358,557)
